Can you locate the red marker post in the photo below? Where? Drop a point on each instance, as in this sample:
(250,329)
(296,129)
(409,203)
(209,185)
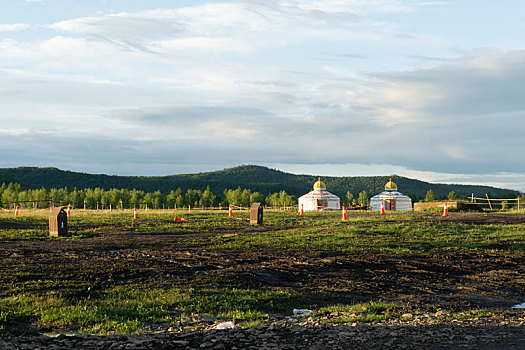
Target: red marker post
(445,209)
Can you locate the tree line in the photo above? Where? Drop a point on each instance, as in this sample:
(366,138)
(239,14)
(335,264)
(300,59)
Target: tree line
(256,178)
(98,198)
(453,196)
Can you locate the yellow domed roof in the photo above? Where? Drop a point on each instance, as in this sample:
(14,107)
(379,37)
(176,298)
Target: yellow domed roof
(319,185)
(390,185)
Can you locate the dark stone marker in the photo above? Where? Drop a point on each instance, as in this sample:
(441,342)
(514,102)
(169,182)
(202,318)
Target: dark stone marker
(58,222)
(256,214)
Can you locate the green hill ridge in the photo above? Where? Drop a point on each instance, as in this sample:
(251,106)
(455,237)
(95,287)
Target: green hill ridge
(253,177)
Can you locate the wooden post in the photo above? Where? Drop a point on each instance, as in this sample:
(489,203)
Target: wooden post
(488,200)
(110,207)
(84,205)
(518,203)
(97,205)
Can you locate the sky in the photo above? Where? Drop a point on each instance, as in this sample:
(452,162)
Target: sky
(433,90)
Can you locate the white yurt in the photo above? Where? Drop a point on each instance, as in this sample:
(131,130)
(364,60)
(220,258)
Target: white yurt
(392,199)
(319,199)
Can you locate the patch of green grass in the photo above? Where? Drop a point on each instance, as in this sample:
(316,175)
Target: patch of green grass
(364,318)
(472,314)
(129,308)
(364,312)
(317,232)
(393,237)
(247,324)
(371,307)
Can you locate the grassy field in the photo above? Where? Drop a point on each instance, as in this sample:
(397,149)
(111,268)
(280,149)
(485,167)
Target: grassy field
(316,232)
(88,282)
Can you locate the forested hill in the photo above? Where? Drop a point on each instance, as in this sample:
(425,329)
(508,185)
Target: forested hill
(256,178)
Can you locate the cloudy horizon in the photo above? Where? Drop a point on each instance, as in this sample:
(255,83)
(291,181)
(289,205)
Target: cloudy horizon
(425,89)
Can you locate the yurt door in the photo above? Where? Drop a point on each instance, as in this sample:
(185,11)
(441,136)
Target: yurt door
(390,204)
(322,204)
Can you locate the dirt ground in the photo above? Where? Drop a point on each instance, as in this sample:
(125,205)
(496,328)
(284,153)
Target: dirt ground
(453,279)
(449,279)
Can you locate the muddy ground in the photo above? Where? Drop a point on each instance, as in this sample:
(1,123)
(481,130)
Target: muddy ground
(453,280)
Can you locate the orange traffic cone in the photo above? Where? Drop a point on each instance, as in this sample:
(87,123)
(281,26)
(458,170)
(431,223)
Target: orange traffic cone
(302,210)
(382,207)
(344,213)
(16,211)
(230,210)
(135,213)
(179,219)
(68,210)
(445,209)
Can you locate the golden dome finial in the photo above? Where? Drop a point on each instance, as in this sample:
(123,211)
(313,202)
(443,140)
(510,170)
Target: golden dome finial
(390,185)
(319,184)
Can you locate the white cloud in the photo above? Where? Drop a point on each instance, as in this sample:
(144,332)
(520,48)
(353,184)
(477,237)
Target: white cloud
(13,27)
(119,25)
(201,43)
(455,152)
(465,87)
(14,131)
(61,48)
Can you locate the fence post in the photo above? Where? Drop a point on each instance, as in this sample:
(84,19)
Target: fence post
(488,200)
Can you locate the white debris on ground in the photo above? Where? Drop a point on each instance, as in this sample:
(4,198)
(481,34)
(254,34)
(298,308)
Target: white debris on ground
(519,306)
(224,325)
(301,311)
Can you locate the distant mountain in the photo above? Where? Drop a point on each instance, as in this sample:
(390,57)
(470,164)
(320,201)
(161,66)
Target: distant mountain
(253,177)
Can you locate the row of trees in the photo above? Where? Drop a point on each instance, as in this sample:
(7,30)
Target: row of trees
(12,194)
(362,199)
(431,197)
(452,196)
